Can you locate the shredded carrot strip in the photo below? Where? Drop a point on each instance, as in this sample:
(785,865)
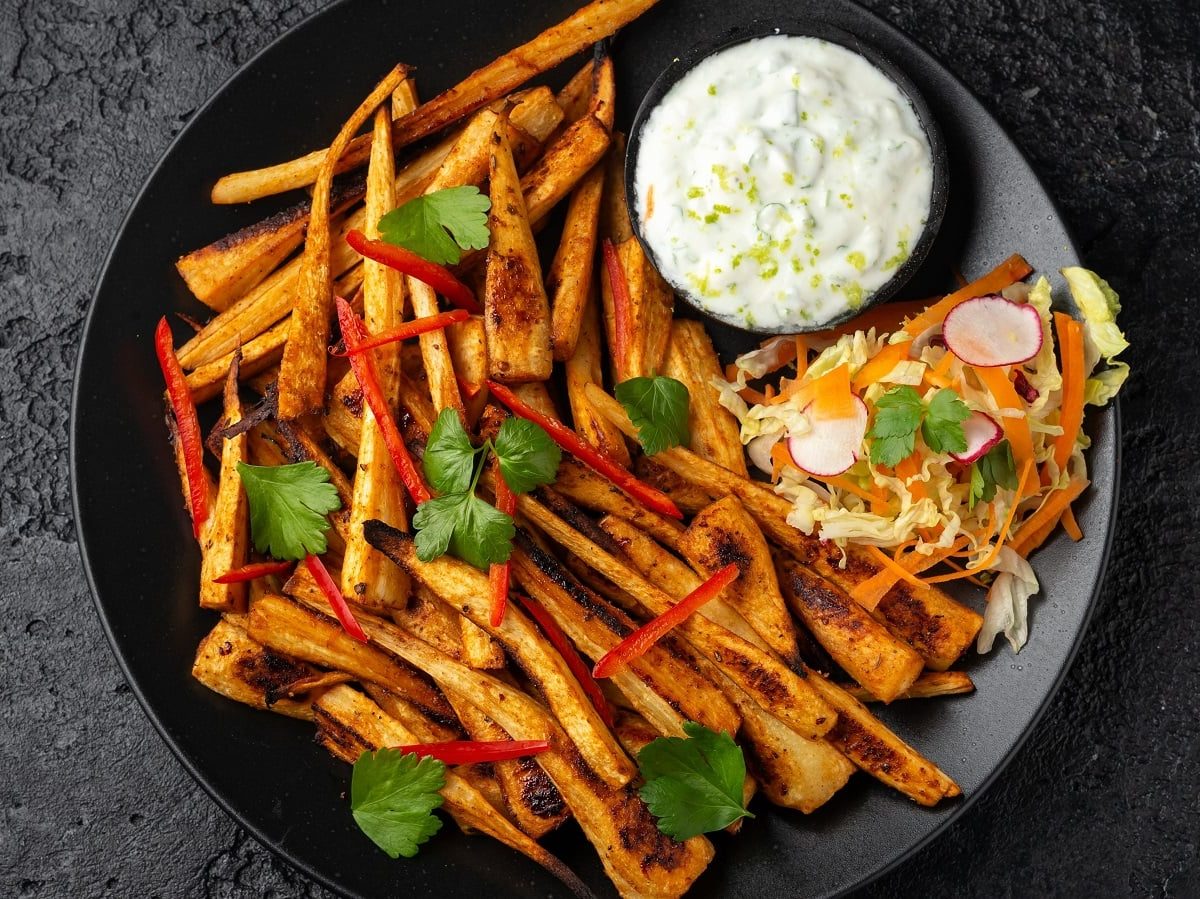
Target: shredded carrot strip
(752,396)
(1006,397)
(1038,526)
(802,393)
(986,561)
(885,319)
(910,467)
(1070,345)
(873,589)
(769,392)
(831,394)
(894,567)
(731,372)
(1070,525)
(939,375)
(844,483)
(879,501)
(779,458)
(970,577)
(881,366)
(801,356)
(1014,268)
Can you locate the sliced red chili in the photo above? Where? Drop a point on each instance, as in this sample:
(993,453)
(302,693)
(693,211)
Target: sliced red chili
(498,574)
(252,571)
(186,421)
(364,370)
(622,308)
(574,661)
(340,607)
(636,644)
(414,328)
(469,752)
(595,459)
(409,263)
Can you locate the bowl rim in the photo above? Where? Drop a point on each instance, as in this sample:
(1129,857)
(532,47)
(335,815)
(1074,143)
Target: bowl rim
(811,27)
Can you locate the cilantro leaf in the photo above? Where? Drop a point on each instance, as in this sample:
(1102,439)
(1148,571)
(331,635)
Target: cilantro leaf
(440,225)
(392,797)
(996,468)
(466,527)
(893,434)
(288,505)
(693,785)
(449,460)
(528,457)
(658,408)
(942,429)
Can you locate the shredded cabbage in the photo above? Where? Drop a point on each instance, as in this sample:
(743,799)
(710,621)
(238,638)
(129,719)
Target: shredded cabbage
(1007,610)
(1099,305)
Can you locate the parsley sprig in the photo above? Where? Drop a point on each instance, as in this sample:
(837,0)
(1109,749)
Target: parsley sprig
(458,521)
(288,507)
(901,413)
(658,408)
(440,225)
(996,468)
(694,785)
(392,798)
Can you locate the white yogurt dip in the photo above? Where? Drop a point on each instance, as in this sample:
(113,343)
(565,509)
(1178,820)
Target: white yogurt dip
(782,181)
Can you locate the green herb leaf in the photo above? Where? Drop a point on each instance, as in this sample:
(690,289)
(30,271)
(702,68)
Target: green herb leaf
(658,408)
(996,468)
(288,505)
(693,785)
(942,429)
(893,434)
(449,460)
(440,225)
(466,527)
(528,457)
(392,798)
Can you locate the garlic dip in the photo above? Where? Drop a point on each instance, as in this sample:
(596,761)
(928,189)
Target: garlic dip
(782,181)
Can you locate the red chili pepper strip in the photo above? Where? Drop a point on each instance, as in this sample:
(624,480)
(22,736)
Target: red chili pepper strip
(414,328)
(340,608)
(409,263)
(252,571)
(655,629)
(574,661)
(185,419)
(622,323)
(364,370)
(469,752)
(498,574)
(595,459)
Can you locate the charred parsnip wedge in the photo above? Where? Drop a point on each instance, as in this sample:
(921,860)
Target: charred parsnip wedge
(586,367)
(861,645)
(691,359)
(530,121)
(228,661)
(662,685)
(469,355)
(378,492)
(286,626)
(614,214)
(533,801)
(466,589)
(639,859)
(772,684)
(226,537)
(578,32)
(585,488)
(349,722)
(687,496)
(723,533)
(516,312)
(929,685)
(302,369)
(343,417)
(929,620)
(651,305)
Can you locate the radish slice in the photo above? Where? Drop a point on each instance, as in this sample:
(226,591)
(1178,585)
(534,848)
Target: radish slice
(990,331)
(982,434)
(832,445)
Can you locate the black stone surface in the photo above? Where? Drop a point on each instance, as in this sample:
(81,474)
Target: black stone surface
(1103,96)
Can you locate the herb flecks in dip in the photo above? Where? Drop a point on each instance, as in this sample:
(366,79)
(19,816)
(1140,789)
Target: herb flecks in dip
(782,181)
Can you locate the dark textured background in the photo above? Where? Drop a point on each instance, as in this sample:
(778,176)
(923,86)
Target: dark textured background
(1105,99)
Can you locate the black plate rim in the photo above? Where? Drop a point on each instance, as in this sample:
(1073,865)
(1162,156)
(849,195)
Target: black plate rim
(965,803)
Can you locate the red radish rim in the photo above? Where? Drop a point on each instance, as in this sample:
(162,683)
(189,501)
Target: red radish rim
(982,433)
(828,431)
(990,331)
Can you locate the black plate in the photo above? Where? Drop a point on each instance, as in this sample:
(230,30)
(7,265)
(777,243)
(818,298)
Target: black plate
(142,561)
